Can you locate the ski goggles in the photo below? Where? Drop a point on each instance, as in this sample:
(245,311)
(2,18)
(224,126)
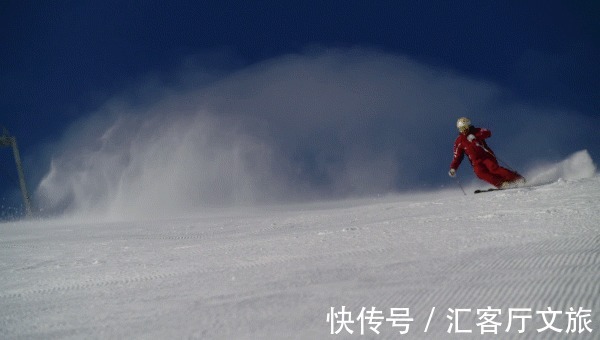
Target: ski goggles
(463,129)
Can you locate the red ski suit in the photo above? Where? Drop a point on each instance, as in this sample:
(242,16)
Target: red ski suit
(482,158)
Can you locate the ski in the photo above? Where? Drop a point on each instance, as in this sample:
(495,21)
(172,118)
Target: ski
(479,191)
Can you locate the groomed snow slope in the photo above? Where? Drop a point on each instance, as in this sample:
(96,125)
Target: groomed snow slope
(276,272)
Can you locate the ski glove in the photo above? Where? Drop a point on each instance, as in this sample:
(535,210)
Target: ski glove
(471,137)
(452,173)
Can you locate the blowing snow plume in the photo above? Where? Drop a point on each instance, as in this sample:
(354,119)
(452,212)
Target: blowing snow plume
(329,124)
(135,164)
(577,166)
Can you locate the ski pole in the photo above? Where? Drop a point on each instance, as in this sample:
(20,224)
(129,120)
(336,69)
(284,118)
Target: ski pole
(499,160)
(460,186)
(505,164)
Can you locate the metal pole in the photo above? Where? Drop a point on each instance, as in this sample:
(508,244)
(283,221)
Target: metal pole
(6,140)
(26,200)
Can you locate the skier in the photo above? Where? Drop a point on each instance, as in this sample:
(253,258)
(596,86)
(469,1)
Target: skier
(471,141)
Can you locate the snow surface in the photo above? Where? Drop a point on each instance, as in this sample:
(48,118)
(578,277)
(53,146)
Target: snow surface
(277,271)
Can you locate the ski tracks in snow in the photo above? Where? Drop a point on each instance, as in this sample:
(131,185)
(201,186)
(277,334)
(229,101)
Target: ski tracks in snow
(276,272)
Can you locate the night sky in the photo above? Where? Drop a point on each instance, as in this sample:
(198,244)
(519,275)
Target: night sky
(63,61)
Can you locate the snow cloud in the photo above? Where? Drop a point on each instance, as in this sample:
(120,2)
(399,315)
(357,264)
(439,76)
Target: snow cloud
(577,166)
(330,123)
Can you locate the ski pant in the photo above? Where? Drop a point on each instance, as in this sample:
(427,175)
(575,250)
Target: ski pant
(489,171)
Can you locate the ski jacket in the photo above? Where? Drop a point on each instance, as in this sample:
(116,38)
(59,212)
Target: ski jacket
(476,151)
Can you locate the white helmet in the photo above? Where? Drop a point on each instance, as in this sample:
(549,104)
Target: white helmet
(463,124)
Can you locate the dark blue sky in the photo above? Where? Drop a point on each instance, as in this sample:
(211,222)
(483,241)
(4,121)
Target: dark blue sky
(62,59)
